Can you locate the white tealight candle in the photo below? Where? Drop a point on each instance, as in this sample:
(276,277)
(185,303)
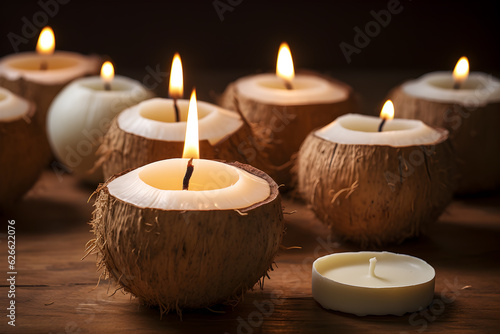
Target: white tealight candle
(372,283)
(81,114)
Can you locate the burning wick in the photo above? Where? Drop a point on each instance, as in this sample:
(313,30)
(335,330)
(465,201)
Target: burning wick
(386,113)
(288,85)
(381,126)
(107,86)
(43,66)
(187,176)
(177,114)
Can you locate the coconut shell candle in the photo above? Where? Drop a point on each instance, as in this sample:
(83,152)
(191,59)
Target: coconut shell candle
(81,114)
(191,248)
(155,129)
(148,132)
(375,187)
(20,156)
(468,105)
(284,108)
(40,76)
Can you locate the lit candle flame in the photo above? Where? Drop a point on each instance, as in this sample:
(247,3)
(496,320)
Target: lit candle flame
(387,112)
(461,71)
(191,143)
(46,42)
(107,72)
(176,86)
(284,65)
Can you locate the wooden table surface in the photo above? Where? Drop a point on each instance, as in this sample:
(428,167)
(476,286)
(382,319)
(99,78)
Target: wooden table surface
(56,291)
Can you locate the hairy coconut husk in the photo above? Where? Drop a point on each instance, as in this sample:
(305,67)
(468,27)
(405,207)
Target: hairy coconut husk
(186,259)
(121,150)
(282,129)
(20,157)
(473,132)
(373,195)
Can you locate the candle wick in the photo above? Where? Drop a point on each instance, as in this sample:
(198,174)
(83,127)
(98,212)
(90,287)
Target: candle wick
(371,270)
(43,65)
(187,176)
(381,126)
(177,114)
(288,85)
(456,85)
(107,86)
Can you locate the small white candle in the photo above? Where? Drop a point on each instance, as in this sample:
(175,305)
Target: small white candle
(363,130)
(155,119)
(287,88)
(460,87)
(46,66)
(213,186)
(307,89)
(81,114)
(372,283)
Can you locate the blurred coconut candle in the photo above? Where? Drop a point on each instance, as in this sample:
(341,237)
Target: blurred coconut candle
(375,187)
(284,107)
(468,105)
(373,283)
(218,224)
(20,156)
(81,114)
(39,76)
(155,129)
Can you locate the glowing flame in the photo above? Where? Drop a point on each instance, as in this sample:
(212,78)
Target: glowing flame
(107,72)
(46,42)
(284,65)
(176,86)
(387,110)
(191,144)
(461,71)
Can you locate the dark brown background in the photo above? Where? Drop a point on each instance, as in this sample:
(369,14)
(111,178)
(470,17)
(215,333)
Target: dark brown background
(426,35)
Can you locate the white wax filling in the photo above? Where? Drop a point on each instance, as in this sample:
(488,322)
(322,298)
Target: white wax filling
(363,130)
(478,90)
(391,270)
(12,107)
(155,119)
(400,283)
(307,89)
(118,84)
(213,186)
(62,66)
